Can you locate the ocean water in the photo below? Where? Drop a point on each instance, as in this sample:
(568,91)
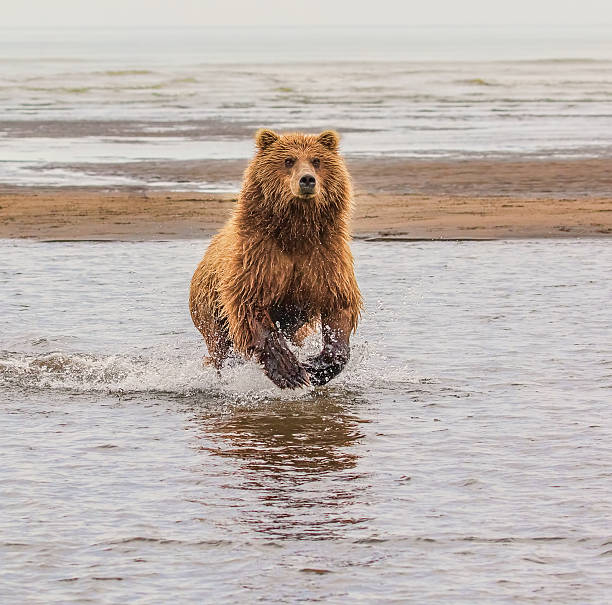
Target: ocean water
(73,102)
(464,456)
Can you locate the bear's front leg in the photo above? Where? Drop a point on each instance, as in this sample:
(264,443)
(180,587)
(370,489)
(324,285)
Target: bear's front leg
(271,351)
(336,329)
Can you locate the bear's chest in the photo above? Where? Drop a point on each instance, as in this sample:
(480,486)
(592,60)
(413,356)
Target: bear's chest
(308,283)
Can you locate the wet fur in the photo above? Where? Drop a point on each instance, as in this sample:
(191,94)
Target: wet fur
(282,263)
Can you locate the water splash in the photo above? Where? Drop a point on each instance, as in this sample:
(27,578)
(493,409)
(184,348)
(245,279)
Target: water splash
(178,371)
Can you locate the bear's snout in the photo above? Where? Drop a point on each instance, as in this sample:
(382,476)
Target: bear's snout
(307,184)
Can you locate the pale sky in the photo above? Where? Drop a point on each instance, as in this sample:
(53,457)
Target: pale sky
(180,13)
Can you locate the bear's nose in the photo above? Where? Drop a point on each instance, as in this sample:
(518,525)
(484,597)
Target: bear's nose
(307,183)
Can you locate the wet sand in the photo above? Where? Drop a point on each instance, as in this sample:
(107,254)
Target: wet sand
(395,199)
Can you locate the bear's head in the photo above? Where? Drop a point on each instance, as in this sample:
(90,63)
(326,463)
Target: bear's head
(299,170)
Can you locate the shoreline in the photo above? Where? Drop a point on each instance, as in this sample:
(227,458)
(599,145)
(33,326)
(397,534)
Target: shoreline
(127,215)
(395,198)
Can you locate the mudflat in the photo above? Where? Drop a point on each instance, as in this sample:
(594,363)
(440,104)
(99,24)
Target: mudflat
(394,199)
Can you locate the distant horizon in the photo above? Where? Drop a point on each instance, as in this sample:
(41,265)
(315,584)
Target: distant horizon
(274,43)
(50,14)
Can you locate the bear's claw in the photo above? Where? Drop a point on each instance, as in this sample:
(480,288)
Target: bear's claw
(322,368)
(281,365)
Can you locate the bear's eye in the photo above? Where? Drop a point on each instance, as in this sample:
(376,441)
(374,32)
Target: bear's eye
(289,162)
(316,162)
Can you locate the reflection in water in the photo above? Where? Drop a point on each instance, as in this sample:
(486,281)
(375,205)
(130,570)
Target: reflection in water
(298,456)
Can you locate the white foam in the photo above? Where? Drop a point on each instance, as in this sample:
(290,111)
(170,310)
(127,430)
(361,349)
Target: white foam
(178,371)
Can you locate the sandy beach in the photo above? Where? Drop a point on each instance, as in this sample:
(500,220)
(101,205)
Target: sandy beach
(394,199)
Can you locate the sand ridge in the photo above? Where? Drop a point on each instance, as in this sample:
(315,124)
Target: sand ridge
(395,198)
(130,214)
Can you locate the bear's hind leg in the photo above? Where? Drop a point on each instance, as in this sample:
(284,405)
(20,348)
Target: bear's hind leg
(219,346)
(300,334)
(295,324)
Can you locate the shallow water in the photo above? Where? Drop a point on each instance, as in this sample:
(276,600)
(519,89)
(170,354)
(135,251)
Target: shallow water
(463,457)
(106,96)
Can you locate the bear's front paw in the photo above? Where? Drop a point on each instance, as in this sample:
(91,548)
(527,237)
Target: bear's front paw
(322,368)
(281,365)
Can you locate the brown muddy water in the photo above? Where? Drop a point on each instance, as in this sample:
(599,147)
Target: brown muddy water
(463,457)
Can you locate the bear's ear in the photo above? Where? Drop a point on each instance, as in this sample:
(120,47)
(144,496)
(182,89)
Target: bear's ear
(264,138)
(329,139)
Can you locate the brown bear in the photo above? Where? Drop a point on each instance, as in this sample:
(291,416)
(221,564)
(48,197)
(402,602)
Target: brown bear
(282,264)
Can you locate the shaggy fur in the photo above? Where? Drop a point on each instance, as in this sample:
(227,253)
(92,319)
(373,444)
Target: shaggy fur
(282,263)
